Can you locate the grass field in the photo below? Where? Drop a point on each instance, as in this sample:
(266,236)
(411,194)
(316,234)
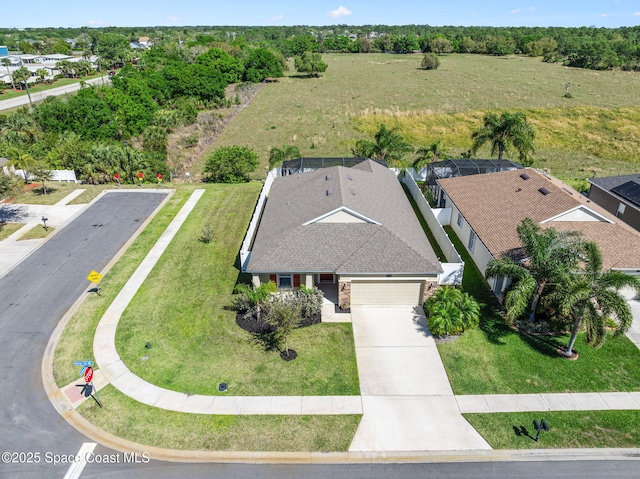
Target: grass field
(495,359)
(570,429)
(136,422)
(596,131)
(7,229)
(8,94)
(37,232)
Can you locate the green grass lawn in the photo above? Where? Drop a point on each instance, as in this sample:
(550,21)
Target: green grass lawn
(595,131)
(570,429)
(37,233)
(495,359)
(182,309)
(7,229)
(126,418)
(8,94)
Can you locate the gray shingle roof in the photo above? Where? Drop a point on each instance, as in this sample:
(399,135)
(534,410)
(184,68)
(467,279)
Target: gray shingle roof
(396,244)
(609,182)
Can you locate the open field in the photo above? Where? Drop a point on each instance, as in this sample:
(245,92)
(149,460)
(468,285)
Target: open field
(143,424)
(568,429)
(495,359)
(596,130)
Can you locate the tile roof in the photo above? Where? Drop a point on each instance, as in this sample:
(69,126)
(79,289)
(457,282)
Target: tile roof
(397,244)
(495,203)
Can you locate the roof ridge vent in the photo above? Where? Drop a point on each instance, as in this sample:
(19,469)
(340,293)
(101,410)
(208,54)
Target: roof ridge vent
(544,191)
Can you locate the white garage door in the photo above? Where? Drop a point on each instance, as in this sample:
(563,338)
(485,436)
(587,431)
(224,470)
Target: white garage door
(364,293)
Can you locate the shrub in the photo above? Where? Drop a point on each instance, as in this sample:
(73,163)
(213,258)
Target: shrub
(230,164)
(430,61)
(450,311)
(309,300)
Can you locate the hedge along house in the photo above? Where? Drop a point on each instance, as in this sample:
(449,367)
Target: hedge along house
(349,227)
(485,210)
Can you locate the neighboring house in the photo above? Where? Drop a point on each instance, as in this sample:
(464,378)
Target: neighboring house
(350,227)
(619,195)
(302,165)
(484,211)
(144,41)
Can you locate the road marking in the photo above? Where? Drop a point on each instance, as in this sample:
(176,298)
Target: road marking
(77,467)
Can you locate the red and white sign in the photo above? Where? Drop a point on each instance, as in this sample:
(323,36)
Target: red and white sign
(88,374)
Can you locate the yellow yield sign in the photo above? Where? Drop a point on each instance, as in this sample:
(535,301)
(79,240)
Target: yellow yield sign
(94,277)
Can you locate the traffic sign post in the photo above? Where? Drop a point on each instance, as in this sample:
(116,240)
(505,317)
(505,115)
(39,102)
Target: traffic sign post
(88,388)
(95,277)
(88,374)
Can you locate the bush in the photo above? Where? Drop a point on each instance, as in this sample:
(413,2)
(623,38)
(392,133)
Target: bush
(230,164)
(309,300)
(450,311)
(430,61)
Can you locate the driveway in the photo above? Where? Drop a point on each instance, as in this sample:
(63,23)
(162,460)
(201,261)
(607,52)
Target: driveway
(407,400)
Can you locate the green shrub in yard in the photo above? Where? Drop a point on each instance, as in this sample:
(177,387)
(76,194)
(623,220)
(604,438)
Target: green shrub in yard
(309,300)
(451,311)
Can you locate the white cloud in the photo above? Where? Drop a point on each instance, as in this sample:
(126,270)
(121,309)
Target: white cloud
(531,9)
(172,18)
(96,23)
(339,12)
(279,16)
(605,14)
(637,14)
(516,10)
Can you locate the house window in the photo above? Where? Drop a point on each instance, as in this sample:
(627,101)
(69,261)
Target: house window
(459,220)
(472,241)
(285,281)
(621,208)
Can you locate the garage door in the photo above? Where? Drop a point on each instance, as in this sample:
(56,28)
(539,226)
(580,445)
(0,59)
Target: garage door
(394,293)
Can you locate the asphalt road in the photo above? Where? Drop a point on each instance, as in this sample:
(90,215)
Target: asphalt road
(35,295)
(39,96)
(33,298)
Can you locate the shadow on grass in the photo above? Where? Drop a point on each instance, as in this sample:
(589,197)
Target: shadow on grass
(243,278)
(522,431)
(547,345)
(43,191)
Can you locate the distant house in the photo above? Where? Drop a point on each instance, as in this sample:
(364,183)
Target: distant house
(144,41)
(348,228)
(484,211)
(619,195)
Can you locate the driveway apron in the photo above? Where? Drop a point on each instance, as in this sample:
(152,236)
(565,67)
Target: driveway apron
(408,404)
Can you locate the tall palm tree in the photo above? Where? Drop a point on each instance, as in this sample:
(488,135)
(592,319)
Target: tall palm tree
(591,296)
(278,155)
(548,256)
(22,160)
(432,153)
(6,62)
(389,145)
(42,73)
(504,132)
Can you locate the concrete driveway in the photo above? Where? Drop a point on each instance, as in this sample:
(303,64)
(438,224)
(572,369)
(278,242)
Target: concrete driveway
(407,400)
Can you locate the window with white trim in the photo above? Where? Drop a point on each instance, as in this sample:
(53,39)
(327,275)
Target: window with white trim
(285,281)
(621,208)
(459,220)
(472,241)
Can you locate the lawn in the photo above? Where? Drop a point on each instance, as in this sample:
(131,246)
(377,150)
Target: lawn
(8,94)
(567,429)
(7,229)
(37,232)
(596,131)
(183,310)
(128,419)
(495,359)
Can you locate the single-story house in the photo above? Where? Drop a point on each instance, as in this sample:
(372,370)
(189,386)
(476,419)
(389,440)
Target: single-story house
(619,195)
(484,211)
(350,227)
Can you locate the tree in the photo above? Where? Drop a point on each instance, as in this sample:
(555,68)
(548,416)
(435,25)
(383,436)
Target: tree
(61,46)
(22,160)
(278,155)
(230,164)
(440,45)
(430,61)
(432,153)
(113,48)
(310,63)
(41,173)
(590,297)
(283,316)
(20,75)
(389,145)
(506,132)
(451,311)
(6,62)
(260,64)
(549,255)
(42,73)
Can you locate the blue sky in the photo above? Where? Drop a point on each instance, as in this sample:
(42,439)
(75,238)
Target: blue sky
(73,13)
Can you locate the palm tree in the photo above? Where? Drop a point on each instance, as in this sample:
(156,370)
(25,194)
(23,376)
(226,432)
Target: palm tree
(549,255)
(21,160)
(591,297)
(509,130)
(389,145)
(432,153)
(451,311)
(42,73)
(6,62)
(278,155)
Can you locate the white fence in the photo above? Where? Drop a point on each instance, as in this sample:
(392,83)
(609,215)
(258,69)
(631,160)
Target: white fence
(454,268)
(68,176)
(245,252)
